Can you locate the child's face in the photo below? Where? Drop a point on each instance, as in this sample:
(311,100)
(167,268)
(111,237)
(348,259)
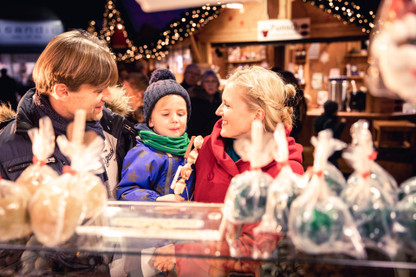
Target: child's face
(169,116)
(235,113)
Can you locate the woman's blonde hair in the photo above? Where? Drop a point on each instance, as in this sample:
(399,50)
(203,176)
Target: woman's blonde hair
(263,88)
(75,58)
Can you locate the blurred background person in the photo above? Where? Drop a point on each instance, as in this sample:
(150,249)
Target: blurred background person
(8,89)
(205,100)
(135,84)
(300,107)
(330,120)
(191,76)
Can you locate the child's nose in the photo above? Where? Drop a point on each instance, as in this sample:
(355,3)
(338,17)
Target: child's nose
(174,118)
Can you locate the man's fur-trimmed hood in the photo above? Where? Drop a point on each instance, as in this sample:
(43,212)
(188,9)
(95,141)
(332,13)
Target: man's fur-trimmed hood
(120,103)
(6,112)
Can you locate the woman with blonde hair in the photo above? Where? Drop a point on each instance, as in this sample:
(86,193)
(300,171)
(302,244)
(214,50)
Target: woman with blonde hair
(252,93)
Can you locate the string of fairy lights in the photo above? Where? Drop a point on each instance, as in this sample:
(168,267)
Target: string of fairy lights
(190,22)
(348,11)
(362,14)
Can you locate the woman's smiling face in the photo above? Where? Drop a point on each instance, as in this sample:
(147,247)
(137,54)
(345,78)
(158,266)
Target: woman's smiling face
(235,113)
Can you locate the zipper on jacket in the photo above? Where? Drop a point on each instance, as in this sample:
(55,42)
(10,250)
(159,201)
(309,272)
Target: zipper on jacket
(169,173)
(22,166)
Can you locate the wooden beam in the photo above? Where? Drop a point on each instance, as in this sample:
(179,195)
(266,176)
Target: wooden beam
(273,8)
(194,48)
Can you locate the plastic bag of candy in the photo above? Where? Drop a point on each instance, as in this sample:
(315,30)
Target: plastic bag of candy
(245,200)
(14,216)
(369,199)
(57,209)
(404,215)
(319,221)
(43,145)
(282,191)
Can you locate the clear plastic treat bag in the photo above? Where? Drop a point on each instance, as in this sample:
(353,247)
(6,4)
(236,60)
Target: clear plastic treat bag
(245,201)
(334,178)
(407,187)
(377,173)
(393,51)
(404,226)
(14,216)
(370,201)
(43,146)
(283,190)
(57,209)
(319,221)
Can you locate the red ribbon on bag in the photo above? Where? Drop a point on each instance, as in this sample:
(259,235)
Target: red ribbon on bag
(68,169)
(36,161)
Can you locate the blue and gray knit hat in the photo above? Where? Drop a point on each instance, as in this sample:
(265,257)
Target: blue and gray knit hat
(162,83)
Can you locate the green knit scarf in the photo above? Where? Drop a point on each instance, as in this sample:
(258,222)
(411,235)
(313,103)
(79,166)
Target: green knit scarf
(174,145)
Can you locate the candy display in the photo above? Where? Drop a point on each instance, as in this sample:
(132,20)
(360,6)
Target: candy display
(281,192)
(57,209)
(369,199)
(334,178)
(407,187)
(404,226)
(245,200)
(319,221)
(14,217)
(84,151)
(43,145)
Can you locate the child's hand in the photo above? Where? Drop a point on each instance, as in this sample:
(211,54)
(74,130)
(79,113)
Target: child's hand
(164,260)
(170,197)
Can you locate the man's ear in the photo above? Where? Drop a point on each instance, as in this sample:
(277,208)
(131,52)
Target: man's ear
(60,91)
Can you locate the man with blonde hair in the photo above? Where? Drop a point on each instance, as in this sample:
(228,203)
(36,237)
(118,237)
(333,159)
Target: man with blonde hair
(73,72)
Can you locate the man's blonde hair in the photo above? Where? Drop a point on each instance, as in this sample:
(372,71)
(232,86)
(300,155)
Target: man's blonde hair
(263,88)
(75,58)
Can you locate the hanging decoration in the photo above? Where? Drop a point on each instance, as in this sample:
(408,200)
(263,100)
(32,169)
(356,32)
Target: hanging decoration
(360,13)
(113,26)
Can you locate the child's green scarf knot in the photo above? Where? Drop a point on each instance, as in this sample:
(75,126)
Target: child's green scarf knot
(173,145)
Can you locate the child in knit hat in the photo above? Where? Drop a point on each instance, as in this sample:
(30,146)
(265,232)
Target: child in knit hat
(149,168)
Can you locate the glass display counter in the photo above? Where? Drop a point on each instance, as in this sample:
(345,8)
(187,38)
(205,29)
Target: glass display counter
(138,228)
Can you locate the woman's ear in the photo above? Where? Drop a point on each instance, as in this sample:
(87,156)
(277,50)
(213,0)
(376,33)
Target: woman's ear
(260,114)
(60,91)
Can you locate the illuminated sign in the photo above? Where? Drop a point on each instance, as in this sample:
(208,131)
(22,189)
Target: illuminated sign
(29,33)
(283,29)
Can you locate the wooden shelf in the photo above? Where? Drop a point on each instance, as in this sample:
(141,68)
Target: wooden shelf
(356,55)
(246,61)
(355,77)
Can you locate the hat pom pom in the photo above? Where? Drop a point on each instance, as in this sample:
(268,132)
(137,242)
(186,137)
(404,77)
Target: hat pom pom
(161,74)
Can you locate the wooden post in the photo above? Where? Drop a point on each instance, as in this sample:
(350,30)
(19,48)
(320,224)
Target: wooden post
(194,48)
